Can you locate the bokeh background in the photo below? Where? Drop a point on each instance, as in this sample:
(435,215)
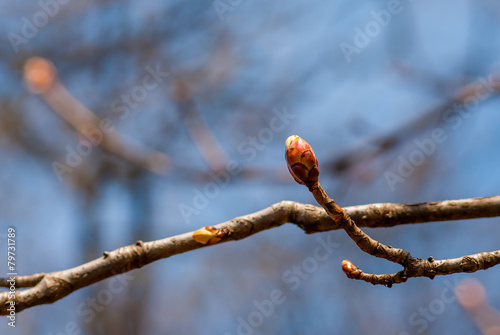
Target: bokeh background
(360,81)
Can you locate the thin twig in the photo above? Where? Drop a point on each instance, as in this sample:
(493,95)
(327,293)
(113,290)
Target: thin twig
(364,242)
(430,268)
(413,267)
(303,166)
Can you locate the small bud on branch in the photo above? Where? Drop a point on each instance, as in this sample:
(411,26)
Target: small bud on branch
(209,235)
(350,270)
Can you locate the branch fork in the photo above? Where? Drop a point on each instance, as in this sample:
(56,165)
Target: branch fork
(46,288)
(303,166)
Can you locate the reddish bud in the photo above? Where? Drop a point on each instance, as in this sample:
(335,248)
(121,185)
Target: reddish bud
(350,270)
(301,161)
(209,235)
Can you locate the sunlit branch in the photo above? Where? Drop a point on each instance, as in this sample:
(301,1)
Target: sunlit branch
(50,287)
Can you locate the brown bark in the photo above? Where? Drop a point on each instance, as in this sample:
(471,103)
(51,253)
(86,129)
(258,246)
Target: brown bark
(413,267)
(50,287)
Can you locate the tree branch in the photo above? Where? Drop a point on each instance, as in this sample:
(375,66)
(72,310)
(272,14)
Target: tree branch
(303,166)
(427,268)
(363,240)
(50,287)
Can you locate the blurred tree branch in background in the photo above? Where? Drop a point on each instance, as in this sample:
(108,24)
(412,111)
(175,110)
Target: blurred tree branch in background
(448,113)
(472,297)
(41,78)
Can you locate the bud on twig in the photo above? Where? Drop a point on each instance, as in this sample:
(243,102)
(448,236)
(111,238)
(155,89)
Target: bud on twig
(350,270)
(301,161)
(209,235)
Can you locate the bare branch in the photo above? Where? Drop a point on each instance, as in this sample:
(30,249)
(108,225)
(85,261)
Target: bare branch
(413,267)
(303,167)
(24,281)
(363,240)
(50,287)
(427,268)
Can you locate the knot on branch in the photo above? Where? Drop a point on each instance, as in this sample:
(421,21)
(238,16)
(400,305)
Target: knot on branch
(469,264)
